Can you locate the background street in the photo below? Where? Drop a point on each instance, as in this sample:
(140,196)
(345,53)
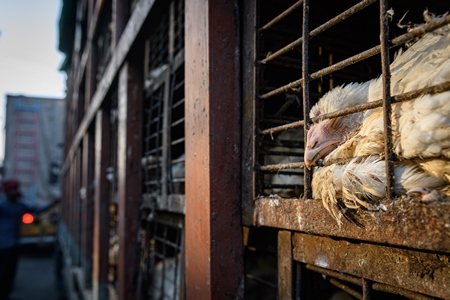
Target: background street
(36,277)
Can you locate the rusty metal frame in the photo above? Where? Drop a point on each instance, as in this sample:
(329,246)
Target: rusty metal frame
(303,215)
(214,250)
(101,213)
(389,269)
(129,172)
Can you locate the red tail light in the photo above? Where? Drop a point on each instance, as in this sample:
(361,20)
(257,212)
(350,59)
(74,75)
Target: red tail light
(27,218)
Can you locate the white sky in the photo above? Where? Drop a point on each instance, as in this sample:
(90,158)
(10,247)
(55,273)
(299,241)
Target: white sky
(29,59)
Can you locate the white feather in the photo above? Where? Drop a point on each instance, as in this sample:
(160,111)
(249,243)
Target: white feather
(420,129)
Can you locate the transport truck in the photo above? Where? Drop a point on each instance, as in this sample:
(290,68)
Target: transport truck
(33,153)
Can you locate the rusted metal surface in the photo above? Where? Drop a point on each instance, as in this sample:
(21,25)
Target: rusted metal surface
(129,174)
(278,167)
(285,265)
(406,223)
(101,213)
(367,285)
(403,270)
(361,56)
(346,288)
(214,251)
(281,16)
(366,289)
(386,93)
(432,90)
(306,100)
(375,104)
(399,291)
(341,17)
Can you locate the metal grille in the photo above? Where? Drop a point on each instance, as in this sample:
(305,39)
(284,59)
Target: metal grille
(163,160)
(325,284)
(151,161)
(159,44)
(304,49)
(358,55)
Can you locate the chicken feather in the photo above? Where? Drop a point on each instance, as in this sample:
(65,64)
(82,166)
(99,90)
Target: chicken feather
(420,130)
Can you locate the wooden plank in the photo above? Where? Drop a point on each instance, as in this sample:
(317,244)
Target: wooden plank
(214,251)
(285,265)
(406,223)
(101,213)
(422,272)
(129,181)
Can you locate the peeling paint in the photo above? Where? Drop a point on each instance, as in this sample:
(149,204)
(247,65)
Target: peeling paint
(322,261)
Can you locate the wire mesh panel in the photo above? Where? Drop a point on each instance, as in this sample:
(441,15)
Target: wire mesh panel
(304,52)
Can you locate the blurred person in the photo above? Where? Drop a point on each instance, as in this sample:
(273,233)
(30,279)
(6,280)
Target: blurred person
(11,211)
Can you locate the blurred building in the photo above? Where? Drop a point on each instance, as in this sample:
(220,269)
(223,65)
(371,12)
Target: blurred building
(34,139)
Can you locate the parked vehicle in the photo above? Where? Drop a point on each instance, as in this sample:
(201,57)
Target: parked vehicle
(33,155)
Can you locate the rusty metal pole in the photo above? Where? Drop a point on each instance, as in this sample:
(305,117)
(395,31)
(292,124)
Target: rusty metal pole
(129,148)
(87,204)
(214,244)
(387,108)
(89,168)
(306,78)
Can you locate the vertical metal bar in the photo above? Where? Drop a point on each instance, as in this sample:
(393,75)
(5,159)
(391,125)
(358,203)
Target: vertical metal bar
(285,263)
(214,250)
(129,182)
(250,108)
(120,13)
(366,288)
(172,20)
(89,164)
(306,105)
(88,209)
(101,213)
(387,109)
(166,113)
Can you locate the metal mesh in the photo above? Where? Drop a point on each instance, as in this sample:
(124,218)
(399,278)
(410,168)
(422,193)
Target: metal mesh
(303,50)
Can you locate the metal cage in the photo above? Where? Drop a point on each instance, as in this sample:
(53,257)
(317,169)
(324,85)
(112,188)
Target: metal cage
(162,209)
(299,50)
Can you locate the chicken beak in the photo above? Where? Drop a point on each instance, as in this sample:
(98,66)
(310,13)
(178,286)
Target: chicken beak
(313,154)
(309,159)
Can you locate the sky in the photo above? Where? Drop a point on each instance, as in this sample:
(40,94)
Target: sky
(29,59)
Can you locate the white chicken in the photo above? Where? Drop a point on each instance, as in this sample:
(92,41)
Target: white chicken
(420,129)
